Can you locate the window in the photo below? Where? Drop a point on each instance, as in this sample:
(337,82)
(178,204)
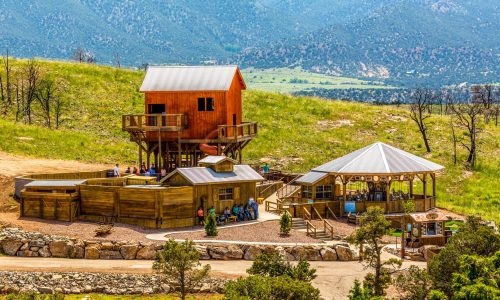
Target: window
(201,104)
(210,104)
(323,192)
(206,104)
(307,191)
(226,193)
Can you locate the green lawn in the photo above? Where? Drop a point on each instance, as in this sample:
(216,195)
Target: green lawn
(286,80)
(295,133)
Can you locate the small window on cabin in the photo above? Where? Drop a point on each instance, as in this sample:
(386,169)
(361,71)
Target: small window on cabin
(226,194)
(201,104)
(307,191)
(323,192)
(210,104)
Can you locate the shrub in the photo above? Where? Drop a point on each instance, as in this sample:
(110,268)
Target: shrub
(361,293)
(273,265)
(415,284)
(211,225)
(437,295)
(285,223)
(270,288)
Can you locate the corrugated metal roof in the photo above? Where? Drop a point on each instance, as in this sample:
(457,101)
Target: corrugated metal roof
(203,175)
(189,78)
(212,159)
(379,158)
(58,183)
(312,177)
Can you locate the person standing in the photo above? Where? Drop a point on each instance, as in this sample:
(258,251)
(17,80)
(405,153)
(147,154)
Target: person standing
(265,168)
(116,171)
(201,218)
(255,207)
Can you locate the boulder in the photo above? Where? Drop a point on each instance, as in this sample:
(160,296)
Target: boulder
(77,252)
(107,246)
(60,248)
(129,251)
(202,250)
(252,252)
(147,252)
(27,253)
(92,251)
(328,254)
(44,252)
(306,253)
(10,246)
(225,252)
(110,254)
(345,253)
(45,290)
(37,243)
(285,252)
(428,251)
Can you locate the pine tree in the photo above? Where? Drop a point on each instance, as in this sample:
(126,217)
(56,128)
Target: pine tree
(211,225)
(285,223)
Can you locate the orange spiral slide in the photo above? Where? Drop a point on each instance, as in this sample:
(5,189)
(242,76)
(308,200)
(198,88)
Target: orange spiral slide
(206,148)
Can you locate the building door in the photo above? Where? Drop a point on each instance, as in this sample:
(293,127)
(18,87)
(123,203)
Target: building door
(234,119)
(156,109)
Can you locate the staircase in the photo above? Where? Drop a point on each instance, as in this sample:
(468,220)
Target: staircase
(301,225)
(298,224)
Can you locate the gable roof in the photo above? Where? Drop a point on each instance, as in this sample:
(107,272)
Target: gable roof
(379,158)
(311,177)
(190,78)
(213,159)
(203,175)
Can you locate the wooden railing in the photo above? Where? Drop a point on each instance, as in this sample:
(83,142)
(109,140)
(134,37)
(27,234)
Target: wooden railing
(154,122)
(329,212)
(272,206)
(288,189)
(328,228)
(307,214)
(314,210)
(311,229)
(237,132)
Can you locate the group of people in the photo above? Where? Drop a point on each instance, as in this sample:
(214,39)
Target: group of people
(142,171)
(249,211)
(364,195)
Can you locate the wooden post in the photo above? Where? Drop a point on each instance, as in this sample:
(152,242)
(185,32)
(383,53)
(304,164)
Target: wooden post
(388,196)
(433,190)
(425,186)
(344,196)
(403,229)
(160,160)
(140,156)
(179,150)
(411,187)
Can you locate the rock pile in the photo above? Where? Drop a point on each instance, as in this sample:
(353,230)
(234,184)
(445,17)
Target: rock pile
(104,283)
(16,242)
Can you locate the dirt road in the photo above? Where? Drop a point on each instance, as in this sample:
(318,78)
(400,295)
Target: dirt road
(334,278)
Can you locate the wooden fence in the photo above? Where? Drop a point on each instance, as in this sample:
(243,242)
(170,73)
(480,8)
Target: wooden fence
(51,206)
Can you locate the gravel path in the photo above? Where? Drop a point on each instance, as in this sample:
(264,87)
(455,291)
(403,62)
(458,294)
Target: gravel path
(258,232)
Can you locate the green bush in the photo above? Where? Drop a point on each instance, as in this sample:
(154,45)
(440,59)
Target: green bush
(273,265)
(285,223)
(437,295)
(270,288)
(211,225)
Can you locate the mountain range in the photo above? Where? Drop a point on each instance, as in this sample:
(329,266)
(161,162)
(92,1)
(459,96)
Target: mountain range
(403,42)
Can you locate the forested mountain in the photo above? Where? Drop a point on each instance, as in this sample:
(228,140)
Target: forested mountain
(404,42)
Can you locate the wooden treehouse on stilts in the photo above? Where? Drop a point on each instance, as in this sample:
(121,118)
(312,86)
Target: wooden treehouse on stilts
(190,112)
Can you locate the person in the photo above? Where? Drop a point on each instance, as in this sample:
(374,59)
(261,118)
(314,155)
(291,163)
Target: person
(255,207)
(248,213)
(211,210)
(201,218)
(116,171)
(127,171)
(241,213)
(163,173)
(265,168)
(143,169)
(235,212)
(152,170)
(147,173)
(135,171)
(227,212)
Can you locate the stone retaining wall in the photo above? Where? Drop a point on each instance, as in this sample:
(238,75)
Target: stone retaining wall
(16,242)
(103,283)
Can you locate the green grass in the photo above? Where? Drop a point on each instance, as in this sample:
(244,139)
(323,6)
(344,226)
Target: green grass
(286,80)
(295,133)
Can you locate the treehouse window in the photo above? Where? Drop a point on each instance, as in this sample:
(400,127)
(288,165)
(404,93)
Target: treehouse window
(205,104)
(307,191)
(226,194)
(323,192)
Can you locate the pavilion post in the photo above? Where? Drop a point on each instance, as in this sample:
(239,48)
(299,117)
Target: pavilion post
(344,195)
(411,186)
(140,156)
(433,190)
(387,196)
(424,180)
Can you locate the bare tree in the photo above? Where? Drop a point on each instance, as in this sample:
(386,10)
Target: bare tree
(455,140)
(484,94)
(84,56)
(32,75)
(6,90)
(118,61)
(466,117)
(421,101)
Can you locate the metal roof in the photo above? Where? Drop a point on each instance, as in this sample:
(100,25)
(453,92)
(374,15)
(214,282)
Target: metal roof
(379,158)
(312,177)
(213,160)
(190,78)
(203,175)
(58,183)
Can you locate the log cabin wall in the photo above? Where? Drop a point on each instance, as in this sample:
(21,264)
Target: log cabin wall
(208,194)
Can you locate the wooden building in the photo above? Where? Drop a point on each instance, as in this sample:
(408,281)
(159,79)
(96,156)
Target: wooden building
(377,175)
(218,182)
(190,112)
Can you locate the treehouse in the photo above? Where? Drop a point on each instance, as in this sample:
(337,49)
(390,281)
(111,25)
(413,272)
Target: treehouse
(376,175)
(190,112)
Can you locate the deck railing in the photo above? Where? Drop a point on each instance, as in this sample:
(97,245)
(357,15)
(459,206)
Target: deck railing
(237,132)
(154,122)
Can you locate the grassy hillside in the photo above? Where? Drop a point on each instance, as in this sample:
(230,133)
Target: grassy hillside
(296,133)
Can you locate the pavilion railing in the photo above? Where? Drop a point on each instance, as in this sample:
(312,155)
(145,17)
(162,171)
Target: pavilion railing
(154,122)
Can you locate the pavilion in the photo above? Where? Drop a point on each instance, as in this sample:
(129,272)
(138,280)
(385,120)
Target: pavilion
(376,175)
